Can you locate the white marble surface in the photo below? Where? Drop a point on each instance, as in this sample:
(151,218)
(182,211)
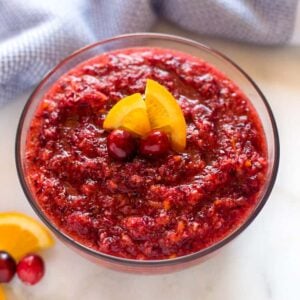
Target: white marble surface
(263,263)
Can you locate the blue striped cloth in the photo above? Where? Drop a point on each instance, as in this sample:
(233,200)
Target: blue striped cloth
(36,34)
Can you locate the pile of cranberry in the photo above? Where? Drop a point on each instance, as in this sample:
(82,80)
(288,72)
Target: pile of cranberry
(121,145)
(30,268)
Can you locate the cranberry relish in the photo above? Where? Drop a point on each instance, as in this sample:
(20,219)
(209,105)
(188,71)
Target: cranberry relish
(146,208)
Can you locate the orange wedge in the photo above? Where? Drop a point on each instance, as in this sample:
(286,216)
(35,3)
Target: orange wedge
(129,113)
(21,234)
(137,122)
(165,114)
(2,295)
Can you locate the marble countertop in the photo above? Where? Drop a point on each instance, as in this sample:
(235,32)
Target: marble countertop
(262,263)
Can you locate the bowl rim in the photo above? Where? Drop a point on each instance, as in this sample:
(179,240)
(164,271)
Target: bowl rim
(134,262)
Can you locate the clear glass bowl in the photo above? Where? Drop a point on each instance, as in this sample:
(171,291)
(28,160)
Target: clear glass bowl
(213,57)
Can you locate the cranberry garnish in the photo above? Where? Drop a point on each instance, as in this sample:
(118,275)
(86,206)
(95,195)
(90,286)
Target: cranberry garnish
(31,269)
(156,144)
(121,145)
(7,267)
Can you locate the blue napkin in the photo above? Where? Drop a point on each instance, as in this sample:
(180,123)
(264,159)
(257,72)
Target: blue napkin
(36,34)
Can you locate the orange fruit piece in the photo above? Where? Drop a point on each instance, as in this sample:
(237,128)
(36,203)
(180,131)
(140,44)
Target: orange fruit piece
(2,295)
(129,113)
(165,114)
(137,122)
(21,234)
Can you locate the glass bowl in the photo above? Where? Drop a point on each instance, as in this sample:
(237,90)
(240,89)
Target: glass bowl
(235,73)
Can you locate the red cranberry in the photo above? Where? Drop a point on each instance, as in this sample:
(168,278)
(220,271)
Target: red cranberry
(31,269)
(121,145)
(156,144)
(7,267)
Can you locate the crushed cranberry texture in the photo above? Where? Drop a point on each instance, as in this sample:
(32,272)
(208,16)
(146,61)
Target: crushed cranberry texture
(146,208)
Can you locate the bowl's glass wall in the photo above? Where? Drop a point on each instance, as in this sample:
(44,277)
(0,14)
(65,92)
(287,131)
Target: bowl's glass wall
(153,40)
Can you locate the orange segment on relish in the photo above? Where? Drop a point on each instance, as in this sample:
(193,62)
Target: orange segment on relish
(165,114)
(129,113)
(137,122)
(21,234)
(160,110)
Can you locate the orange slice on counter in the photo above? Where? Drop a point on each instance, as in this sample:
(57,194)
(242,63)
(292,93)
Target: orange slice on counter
(21,234)
(2,295)
(165,114)
(130,113)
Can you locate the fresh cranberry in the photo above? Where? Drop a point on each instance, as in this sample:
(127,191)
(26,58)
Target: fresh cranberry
(31,269)
(121,145)
(7,267)
(156,144)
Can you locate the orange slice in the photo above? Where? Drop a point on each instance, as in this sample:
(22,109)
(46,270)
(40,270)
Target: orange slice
(21,234)
(129,113)
(2,295)
(137,122)
(165,114)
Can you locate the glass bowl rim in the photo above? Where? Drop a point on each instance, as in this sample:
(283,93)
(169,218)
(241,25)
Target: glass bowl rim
(134,262)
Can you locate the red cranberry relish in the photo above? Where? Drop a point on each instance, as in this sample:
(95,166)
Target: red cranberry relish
(146,208)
